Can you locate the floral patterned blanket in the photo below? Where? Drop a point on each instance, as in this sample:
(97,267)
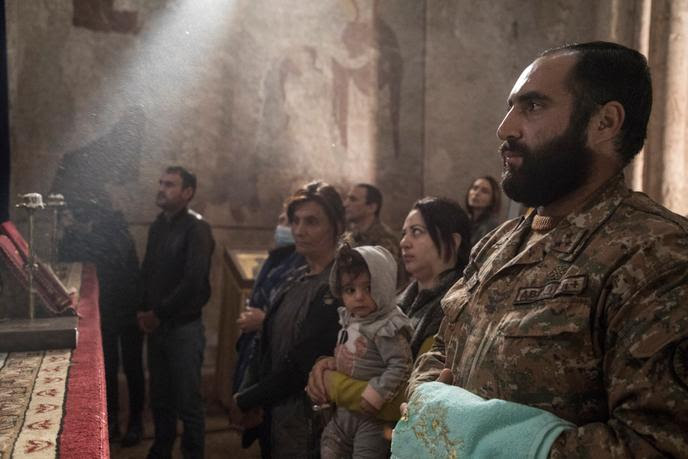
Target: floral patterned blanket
(446,421)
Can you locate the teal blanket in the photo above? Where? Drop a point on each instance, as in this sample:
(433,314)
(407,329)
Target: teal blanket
(448,421)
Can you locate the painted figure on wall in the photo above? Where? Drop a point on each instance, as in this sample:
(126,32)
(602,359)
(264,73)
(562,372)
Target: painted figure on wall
(295,120)
(334,106)
(371,65)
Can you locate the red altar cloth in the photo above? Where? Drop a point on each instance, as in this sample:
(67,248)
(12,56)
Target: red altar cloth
(84,428)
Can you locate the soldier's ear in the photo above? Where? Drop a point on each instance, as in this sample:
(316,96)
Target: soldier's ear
(606,123)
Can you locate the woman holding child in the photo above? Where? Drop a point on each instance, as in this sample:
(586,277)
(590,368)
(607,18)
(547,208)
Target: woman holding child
(301,324)
(435,248)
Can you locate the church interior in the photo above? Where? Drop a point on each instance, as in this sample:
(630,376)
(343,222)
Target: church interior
(259,98)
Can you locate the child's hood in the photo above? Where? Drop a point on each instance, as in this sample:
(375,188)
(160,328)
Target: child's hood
(383,277)
(388,319)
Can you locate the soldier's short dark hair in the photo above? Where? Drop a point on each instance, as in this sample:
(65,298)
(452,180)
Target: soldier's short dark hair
(605,72)
(444,217)
(373,196)
(188,178)
(326,197)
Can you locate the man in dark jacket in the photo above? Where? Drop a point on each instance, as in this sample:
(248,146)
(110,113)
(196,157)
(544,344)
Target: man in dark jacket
(175,278)
(96,233)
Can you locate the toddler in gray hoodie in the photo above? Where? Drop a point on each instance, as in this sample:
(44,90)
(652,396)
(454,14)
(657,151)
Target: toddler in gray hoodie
(373,346)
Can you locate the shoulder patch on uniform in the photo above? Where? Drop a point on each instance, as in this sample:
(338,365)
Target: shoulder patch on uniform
(568,241)
(573,285)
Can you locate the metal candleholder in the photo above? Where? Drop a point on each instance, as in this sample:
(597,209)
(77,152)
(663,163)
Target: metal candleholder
(56,202)
(31,202)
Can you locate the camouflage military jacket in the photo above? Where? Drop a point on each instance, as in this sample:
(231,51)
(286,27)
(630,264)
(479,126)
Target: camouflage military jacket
(379,234)
(589,322)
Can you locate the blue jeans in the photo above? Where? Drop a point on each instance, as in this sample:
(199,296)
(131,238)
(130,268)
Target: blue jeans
(175,357)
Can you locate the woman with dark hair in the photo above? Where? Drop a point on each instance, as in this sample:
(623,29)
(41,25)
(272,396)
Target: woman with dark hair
(483,202)
(301,324)
(434,249)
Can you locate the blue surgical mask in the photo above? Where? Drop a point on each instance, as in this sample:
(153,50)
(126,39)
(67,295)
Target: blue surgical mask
(283,236)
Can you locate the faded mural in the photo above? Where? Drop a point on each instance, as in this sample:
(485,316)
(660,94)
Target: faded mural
(308,108)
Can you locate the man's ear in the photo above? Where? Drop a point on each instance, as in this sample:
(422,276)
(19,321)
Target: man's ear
(187,193)
(606,123)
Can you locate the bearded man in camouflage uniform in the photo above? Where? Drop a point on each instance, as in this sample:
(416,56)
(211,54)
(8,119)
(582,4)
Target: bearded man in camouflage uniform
(578,308)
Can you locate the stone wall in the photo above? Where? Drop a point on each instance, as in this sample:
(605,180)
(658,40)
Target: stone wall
(475,52)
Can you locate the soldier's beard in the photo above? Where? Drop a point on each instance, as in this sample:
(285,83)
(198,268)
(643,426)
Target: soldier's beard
(550,171)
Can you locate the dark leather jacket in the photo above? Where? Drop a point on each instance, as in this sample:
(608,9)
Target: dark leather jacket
(176,268)
(317,335)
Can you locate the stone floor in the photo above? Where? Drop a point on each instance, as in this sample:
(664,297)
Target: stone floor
(220,442)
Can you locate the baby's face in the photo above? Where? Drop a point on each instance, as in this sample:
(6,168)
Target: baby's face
(356,294)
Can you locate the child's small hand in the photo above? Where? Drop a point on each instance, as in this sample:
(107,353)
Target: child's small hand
(367,408)
(361,346)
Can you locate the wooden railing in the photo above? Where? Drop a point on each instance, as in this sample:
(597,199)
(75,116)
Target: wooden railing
(239,269)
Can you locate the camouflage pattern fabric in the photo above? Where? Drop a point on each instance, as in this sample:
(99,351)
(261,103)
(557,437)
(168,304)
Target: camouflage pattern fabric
(379,234)
(589,323)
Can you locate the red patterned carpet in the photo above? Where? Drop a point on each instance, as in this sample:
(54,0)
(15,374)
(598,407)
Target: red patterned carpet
(84,428)
(52,403)
(32,402)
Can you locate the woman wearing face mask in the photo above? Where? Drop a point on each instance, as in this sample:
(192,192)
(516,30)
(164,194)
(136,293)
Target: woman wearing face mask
(281,261)
(483,201)
(434,249)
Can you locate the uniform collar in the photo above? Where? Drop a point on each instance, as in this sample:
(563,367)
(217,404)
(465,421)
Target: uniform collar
(568,238)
